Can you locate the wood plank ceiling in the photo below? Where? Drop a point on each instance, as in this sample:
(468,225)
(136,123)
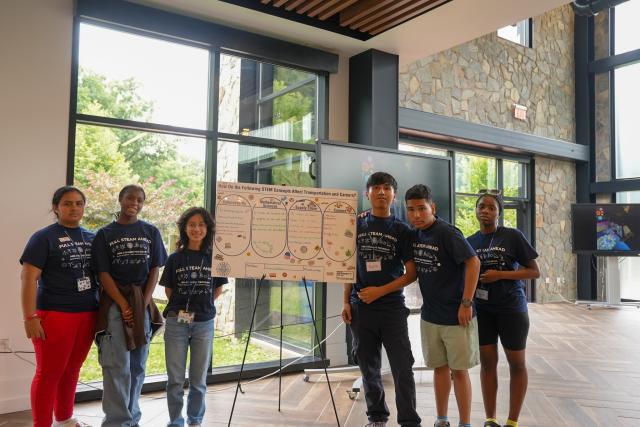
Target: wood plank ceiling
(369,17)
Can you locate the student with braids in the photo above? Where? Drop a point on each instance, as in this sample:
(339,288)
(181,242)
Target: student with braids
(128,254)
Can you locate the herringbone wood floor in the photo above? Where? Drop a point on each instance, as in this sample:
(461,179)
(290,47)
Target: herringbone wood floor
(584,370)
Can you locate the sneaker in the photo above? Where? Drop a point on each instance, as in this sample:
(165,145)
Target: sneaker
(491,424)
(194,425)
(71,422)
(441,423)
(377,424)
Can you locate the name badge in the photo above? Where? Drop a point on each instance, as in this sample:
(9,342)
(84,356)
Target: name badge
(185,316)
(482,294)
(84,284)
(374,265)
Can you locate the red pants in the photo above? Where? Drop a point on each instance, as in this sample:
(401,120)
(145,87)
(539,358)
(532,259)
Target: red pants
(59,357)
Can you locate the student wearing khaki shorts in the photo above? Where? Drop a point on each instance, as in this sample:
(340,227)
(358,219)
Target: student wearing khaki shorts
(448,271)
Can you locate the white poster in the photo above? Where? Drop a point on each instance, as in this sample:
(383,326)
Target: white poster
(284,233)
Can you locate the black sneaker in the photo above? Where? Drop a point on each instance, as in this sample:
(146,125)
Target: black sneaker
(491,424)
(441,423)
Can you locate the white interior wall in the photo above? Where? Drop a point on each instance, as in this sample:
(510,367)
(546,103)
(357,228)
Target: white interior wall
(35,75)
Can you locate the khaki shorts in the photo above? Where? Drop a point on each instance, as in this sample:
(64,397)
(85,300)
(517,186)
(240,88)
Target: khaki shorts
(455,345)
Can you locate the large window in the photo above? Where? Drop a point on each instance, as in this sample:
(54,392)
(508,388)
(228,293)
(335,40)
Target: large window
(520,32)
(627,125)
(147,113)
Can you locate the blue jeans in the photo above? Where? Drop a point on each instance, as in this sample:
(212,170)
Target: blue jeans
(122,372)
(178,338)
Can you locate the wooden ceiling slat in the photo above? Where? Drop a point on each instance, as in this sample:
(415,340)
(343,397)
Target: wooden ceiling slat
(332,11)
(361,9)
(403,17)
(292,5)
(321,7)
(397,6)
(309,5)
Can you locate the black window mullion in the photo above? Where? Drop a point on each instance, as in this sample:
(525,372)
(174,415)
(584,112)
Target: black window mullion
(211,154)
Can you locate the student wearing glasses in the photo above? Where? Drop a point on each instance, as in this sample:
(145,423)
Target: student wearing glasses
(506,259)
(190,312)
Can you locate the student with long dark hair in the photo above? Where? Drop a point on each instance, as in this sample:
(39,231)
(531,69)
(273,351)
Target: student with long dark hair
(128,254)
(189,315)
(506,258)
(59,304)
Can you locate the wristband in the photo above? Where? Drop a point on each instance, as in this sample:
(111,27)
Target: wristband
(33,316)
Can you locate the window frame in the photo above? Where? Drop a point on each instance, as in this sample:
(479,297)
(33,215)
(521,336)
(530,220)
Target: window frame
(142,20)
(529,35)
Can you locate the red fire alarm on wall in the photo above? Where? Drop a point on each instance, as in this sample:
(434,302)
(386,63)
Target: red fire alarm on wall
(520,112)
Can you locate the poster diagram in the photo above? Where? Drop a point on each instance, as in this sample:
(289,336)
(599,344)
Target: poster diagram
(285,233)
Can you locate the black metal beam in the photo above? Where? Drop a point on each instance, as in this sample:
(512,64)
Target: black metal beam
(159,22)
(615,186)
(611,62)
(491,136)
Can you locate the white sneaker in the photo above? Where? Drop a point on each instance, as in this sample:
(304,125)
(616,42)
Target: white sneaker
(71,422)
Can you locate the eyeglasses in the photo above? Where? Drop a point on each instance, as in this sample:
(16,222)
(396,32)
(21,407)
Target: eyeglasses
(492,191)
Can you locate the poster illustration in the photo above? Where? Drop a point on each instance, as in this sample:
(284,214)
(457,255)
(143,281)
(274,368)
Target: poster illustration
(285,233)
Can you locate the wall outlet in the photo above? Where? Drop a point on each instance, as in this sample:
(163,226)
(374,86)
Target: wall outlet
(4,345)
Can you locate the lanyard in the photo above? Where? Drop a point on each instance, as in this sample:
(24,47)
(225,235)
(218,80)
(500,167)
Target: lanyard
(79,250)
(192,283)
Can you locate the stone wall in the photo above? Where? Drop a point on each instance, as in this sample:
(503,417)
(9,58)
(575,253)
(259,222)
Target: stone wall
(555,191)
(480,81)
(601,91)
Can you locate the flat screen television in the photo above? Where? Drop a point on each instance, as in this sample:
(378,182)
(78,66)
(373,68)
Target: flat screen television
(606,229)
(349,166)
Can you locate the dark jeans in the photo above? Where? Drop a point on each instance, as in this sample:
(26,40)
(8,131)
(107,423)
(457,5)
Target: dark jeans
(371,328)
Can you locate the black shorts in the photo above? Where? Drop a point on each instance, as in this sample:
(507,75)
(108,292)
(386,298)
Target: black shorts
(512,328)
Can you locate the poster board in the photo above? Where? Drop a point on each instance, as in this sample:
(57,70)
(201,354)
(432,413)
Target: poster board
(284,233)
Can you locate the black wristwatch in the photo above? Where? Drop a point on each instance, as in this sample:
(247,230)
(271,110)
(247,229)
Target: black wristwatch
(466,302)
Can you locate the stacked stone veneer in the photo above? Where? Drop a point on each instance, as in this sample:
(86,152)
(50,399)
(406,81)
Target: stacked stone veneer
(480,81)
(602,110)
(555,191)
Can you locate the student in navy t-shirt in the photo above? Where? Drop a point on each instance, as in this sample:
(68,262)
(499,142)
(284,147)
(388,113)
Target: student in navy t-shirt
(190,312)
(128,254)
(59,304)
(447,274)
(506,259)
(374,305)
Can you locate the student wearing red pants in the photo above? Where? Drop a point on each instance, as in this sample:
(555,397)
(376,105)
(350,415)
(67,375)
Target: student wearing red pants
(59,304)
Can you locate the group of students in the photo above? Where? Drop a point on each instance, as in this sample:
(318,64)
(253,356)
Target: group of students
(472,293)
(78,286)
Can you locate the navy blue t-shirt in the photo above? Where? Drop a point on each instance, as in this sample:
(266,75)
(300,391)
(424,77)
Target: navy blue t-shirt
(386,240)
(439,253)
(128,251)
(188,273)
(503,250)
(64,255)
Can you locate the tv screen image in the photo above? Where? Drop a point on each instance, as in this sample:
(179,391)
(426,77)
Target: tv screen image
(606,229)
